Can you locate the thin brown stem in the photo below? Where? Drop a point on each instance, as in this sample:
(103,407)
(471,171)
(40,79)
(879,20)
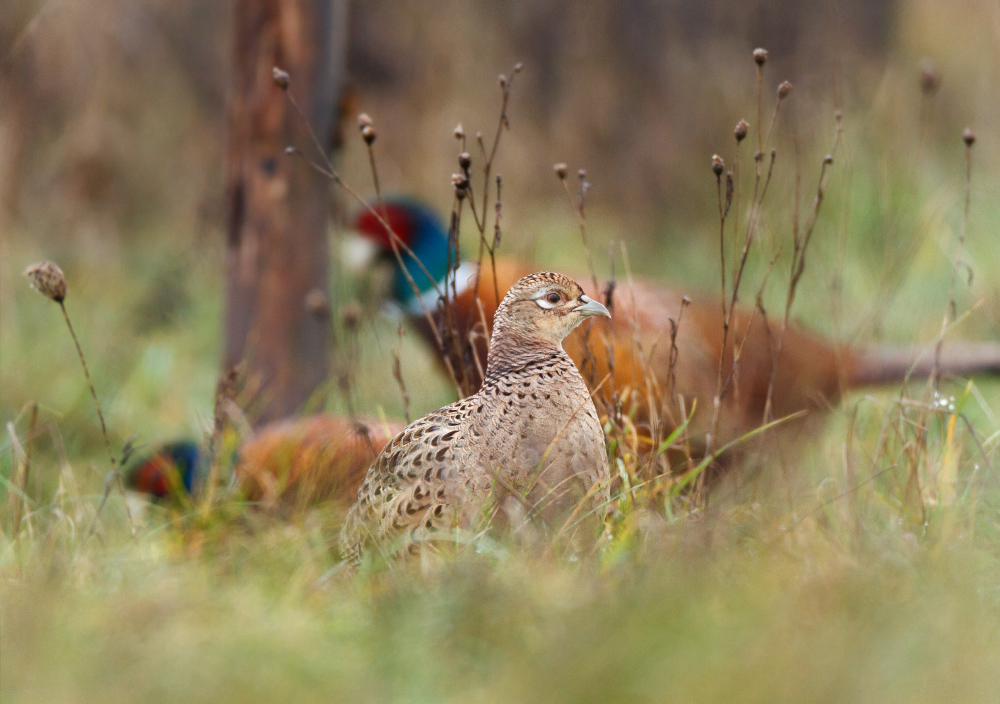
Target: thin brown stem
(225,394)
(755,207)
(115,473)
(396,243)
(486,247)
(26,467)
(760,111)
(722,239)
(579,207)
(770,126)
(397,373)
(952,310)
(502,122)
(496,241)
(800,246)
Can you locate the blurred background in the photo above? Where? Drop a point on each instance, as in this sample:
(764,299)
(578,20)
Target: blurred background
(112,140)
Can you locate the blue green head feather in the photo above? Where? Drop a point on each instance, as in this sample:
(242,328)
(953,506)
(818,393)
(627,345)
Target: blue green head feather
(423,231)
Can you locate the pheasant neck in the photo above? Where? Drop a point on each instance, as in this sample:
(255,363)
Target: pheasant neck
(510,352)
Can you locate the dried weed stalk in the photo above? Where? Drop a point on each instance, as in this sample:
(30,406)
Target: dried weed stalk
(48,279)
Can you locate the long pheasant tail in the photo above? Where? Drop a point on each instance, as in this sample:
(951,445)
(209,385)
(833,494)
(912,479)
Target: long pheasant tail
(889,364)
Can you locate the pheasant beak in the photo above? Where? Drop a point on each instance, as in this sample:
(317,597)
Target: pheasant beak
(588,307)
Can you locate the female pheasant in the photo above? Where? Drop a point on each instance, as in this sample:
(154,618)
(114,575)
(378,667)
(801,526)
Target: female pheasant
(529,442)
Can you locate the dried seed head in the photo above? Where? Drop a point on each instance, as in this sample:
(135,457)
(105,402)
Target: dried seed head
(518,67)
(582,173)
(465,161)
(368,134)
(352,316)
(281,78)
(969,137)
(741,130)
(461,184)
(784,89)
(838,115)
(828,159)
(48,279)
(502,80)
(930,81)
(560,170)
(757,156)
(364,121)
(317,303)
(718,166)
(459,132)
(760,56)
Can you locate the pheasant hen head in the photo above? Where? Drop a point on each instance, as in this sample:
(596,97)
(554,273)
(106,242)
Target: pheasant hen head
(544,307)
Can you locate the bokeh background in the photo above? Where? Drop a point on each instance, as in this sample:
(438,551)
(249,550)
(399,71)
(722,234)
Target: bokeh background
(112,137)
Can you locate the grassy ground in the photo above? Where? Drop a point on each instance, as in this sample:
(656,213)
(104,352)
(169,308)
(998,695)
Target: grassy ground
(760,612)
(792,592)
(863,564)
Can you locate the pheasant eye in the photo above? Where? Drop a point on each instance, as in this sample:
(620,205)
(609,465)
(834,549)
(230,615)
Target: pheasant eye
(553,298)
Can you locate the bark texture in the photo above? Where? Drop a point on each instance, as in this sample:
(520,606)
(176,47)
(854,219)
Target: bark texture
(277,246)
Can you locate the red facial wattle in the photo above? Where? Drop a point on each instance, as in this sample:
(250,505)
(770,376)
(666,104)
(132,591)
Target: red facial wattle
(398,218)
(151,478)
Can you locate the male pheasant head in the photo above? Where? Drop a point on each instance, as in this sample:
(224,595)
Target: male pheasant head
(544,308)
(423,231)
(172,468)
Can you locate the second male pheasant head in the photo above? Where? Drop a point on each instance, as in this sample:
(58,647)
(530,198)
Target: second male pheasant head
(421,230)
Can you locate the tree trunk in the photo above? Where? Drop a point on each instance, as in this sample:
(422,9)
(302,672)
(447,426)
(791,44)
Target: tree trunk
(277,313)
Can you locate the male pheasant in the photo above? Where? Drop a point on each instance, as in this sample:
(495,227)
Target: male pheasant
(527,444)
(173,468)
(290,463)
(811,374)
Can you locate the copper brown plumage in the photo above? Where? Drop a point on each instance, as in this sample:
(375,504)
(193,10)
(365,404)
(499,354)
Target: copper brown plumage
(293,463)
(811,374)
(528,442)
(303,461)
